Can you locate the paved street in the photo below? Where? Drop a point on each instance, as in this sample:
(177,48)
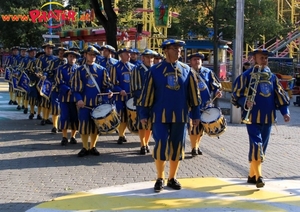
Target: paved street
(35,168)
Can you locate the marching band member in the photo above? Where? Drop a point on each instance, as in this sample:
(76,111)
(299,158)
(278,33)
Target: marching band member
(42,64)
(120,78)
(68,113)
(22,62)
(158,58)
(209,85)
(23,66)
(259,109)
(98,57)
(107,61)
(12,61)
(51,73)
(32,74)
(81,61)
(170,91)
(88,81)
(137,82)
(134,53)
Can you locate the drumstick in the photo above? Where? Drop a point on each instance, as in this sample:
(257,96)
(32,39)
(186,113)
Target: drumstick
(102,94)
(213,99)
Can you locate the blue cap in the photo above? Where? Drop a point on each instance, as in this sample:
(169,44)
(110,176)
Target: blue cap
(51,45)
(135,51)
(149,52)
(172,42)
(74,48)
(197,54)
(62,48)
(120,51)
(15,47)
(71,52)
(97,46)
(262,51)
(109,47)
(92,49)
(31,49)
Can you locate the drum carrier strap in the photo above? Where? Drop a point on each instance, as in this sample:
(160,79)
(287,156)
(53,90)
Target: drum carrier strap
(93,79)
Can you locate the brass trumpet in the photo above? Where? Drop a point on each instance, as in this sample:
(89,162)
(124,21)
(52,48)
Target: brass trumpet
(252,89)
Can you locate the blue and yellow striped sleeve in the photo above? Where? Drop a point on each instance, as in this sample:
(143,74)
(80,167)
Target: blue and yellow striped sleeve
(76,84)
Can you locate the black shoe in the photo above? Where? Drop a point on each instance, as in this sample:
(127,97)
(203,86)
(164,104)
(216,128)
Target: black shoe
(48,121)
(31,116)
(23,107)
(15,103)
(94,151)
(59,130)
(54,130)
(159,185)
(124,139)
(83,152)
(73,141)
(199,151)
(173,183)
(64,141)
(143,150)
(194,152)
(120,140)
(10,102)
(260,182)
(25,111)
(19,107)
(43,122)
(147,149)
(39,117)
(251,180)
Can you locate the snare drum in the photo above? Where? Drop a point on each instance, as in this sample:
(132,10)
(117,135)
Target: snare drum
(213,122)
(132,120)
(106,118)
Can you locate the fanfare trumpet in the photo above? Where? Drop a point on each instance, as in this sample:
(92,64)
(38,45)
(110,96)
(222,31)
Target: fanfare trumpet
(252,89)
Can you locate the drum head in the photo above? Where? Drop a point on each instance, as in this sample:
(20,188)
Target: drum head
(129,104)
(210,115)
(101,111)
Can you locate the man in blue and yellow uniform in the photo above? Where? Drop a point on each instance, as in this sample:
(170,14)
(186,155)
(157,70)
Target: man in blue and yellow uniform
(68,110)
(137,82)
(107,61)
(158,58)
(88,81)
(12,61)
(170,91)
(134,54)
(42,65)
(51,75)
(23,66)
(259,109)
(22,62)
(32,74)
(98,57)
(209,86)
(120,78)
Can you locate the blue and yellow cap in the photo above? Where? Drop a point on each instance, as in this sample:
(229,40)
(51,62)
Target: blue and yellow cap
(30,49)
(15,47)
(92,49)
(51,45)
(97,46)
(62,48)
(172,42)
(23,48)
(40,53)
(134,50)
(159,55)
(262,51)
(109,47)
(149,52)
(122,50)
(196,54)
(71,52)
(74,48)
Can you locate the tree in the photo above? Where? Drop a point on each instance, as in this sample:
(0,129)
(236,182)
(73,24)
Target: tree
(20,33)
(107,17)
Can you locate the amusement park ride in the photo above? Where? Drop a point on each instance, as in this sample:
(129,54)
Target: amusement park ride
(152,35)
